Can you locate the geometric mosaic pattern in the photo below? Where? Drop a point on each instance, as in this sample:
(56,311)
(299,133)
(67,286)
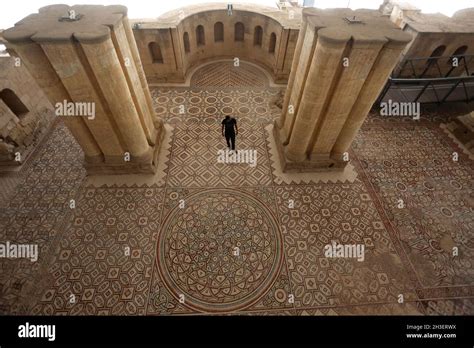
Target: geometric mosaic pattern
(437,192)
(212,105)
(135,249)
(343,213)
(36,212)
(195,152)
(106,254)
(226,74)
(220,251)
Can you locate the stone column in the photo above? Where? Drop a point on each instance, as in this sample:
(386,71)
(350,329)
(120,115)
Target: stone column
(141,73)
(285,122)
(317,87)
(342,61)
(104,61)
(373,85)
(84,55)
(128,66)
(33,56)
(74,77)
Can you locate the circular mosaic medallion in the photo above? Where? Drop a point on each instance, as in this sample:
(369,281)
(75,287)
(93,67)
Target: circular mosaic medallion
(160,110)
(195,100)
(179,100)
(260,110)
(211,100)
(447,212)
(258,100)
(210,111)
(244,110)
(227,110)
(222,251)
(455,184)
(162,100)
(429,185)
(227,100)
(400,186)
(243,100)
(194,110)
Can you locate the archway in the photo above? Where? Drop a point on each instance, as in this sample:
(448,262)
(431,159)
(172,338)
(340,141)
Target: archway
(13,102)
(155,52)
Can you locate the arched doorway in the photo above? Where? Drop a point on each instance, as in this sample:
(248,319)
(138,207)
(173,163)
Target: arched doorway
(13,102)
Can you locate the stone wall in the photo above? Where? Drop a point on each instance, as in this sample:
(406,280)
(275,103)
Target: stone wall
(274,51)
(25,113)
(85,56)
(345,58)
(434,34)
(426,43)
(430,31)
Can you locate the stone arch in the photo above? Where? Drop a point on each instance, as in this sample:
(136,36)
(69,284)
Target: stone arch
(188,18)
(13,102)
(257,36)
(218,32)
(438,51)
(271,46)
(460,51)
(200,37)
(239,31)
(187,47)
(433,58)
(155,52)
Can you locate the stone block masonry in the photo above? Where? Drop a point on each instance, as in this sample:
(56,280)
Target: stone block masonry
(25,114)
(87,54)
(345,57)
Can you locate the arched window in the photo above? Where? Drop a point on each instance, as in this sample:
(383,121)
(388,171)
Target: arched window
(271,46)
(155,52)
(438,51)
(218,32)
(460,51)
(200,39)
(457,55)
(187,48)
(257,36)
(13,102)
(432,61)
(239,31)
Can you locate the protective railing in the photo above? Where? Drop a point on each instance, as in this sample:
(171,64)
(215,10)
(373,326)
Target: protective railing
(444,66)
(431,80)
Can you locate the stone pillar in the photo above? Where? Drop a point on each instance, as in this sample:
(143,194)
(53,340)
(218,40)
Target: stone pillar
(139,67)
(285,122)
(33,57)
(342,61)
(84,55)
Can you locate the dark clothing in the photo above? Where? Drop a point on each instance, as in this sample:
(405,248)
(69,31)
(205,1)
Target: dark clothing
(229,125)
(230,138)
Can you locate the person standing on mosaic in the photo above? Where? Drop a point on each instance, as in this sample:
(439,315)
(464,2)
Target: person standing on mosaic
(230,131)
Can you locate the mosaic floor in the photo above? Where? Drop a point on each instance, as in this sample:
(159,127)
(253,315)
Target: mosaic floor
(231,238)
